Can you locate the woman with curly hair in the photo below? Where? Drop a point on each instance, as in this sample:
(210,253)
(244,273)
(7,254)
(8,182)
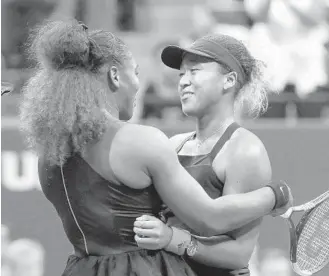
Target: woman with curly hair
(219,80)
(100,173)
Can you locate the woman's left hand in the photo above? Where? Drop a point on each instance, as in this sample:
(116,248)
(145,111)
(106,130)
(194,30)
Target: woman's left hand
(151,233)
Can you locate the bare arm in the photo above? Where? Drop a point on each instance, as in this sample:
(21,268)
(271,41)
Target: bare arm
(174,183)
(248,170)
(226,251)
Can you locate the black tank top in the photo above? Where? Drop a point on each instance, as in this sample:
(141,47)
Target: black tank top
(97,215)
(200,167)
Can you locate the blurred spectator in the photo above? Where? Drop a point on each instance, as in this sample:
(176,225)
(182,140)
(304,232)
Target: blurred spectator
(230,18)
(289,35)
(218,16)
(275,263)
(17,19)
(202,23)
(26,258)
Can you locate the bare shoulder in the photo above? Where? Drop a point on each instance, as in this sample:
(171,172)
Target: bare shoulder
(248,160)
(245,145)
(134,149)
(139,138)
(177,139)
(138,132)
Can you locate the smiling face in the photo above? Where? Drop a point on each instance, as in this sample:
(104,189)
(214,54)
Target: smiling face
(201,84)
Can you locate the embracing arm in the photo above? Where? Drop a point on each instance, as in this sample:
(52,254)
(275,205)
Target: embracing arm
(174,183)
(226,251)
(248,169)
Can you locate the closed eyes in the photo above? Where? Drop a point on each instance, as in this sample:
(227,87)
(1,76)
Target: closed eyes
(193,70)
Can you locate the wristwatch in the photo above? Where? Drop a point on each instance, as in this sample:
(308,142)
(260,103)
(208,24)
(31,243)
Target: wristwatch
(192,247)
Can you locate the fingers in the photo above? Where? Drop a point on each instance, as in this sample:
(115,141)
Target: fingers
(147,243)
(146,224)
(150,233)
(143,240)
(146,218)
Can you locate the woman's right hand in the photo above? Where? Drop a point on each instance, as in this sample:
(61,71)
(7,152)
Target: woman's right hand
(151,233)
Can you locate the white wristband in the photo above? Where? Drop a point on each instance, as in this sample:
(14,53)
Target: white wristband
(179,241)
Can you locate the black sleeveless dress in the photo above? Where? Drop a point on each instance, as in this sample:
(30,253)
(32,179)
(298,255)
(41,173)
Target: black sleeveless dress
(98,218)
(200,167)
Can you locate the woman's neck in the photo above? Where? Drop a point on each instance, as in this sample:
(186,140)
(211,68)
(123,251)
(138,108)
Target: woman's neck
(216,120)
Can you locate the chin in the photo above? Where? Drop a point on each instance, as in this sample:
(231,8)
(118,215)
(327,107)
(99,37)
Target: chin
(125,110)
(190,111)
(125,114)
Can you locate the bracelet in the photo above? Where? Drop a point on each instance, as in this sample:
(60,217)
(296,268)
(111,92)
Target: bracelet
(281,192)
(192,248)
(179,241)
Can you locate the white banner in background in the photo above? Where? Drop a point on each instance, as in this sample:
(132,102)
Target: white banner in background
(19,171)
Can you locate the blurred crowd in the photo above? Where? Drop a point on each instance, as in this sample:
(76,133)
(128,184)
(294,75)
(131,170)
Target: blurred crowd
(290,36)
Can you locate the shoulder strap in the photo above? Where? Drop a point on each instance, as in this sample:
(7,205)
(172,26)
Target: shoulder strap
(178,149)
(223,139)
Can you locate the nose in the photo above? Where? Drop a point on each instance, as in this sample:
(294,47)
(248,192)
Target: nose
(184,81)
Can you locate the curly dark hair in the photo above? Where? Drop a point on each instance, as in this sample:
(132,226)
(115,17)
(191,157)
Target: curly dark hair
(64,102)
(253,94)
